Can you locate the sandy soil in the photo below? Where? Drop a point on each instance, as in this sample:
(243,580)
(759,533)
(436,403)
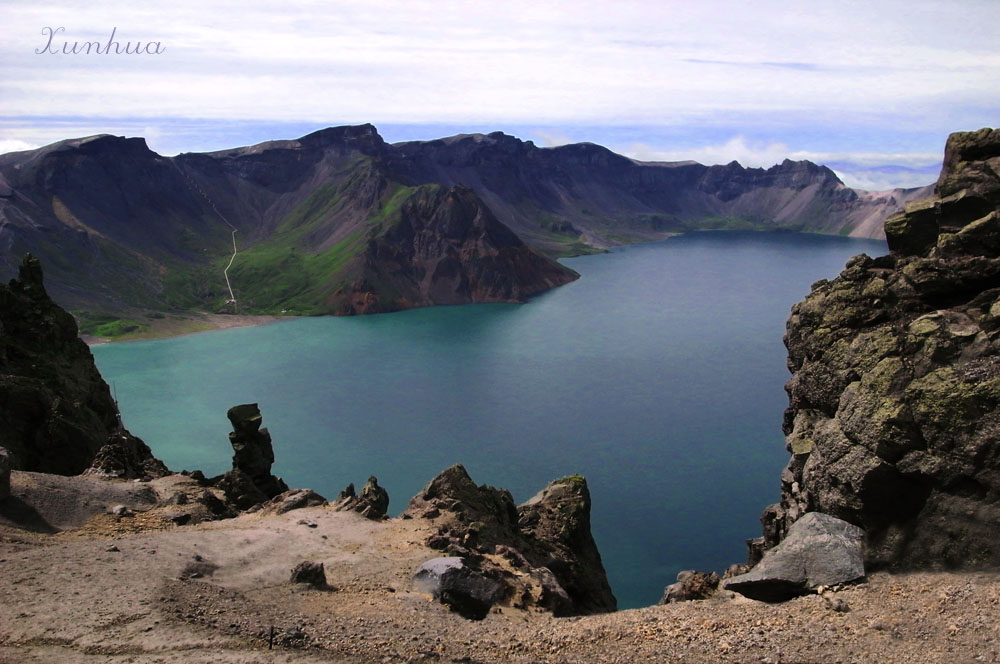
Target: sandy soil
(80,585)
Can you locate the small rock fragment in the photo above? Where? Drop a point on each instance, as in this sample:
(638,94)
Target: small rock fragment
(310,573)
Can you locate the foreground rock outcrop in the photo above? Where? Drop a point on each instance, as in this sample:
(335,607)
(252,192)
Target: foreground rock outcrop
(56,412)
(893,417)
(819,550)
(541,552)
(373,503)
(250,482)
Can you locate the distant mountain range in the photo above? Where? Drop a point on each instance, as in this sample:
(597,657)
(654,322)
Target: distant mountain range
(339,221)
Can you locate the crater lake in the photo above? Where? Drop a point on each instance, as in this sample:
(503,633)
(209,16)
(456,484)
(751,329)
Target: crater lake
(658,375)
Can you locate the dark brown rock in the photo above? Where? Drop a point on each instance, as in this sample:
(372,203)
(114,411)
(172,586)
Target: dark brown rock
(310,573)
(371,504)
(252,451)
(547,541)
(125,456)
(967,193)
(458,586)
(56,412)
(559,517)
(893,402)
(4,473)
(691,585)
(240,490)
(293,499)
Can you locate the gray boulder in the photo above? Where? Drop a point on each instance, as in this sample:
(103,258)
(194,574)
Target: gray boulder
(818,550)
(456,585)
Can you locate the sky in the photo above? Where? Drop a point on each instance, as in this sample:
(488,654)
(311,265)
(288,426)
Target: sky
(871,89)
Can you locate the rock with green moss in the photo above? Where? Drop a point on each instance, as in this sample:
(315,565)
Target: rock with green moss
(893,402)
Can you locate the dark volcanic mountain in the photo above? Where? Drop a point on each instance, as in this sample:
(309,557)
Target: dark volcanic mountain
(341,222)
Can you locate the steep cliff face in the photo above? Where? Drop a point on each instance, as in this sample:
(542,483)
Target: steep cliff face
(56,412)
(572,197)
(893,418)
(444,247)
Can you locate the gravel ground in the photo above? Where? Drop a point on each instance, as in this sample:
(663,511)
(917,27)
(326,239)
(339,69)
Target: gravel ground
(138,589)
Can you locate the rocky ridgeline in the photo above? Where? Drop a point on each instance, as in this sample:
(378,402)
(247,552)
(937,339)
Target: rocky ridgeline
(539,554)
(57,412)
(893,417)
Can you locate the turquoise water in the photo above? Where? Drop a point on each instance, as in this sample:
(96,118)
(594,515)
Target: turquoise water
(658,375)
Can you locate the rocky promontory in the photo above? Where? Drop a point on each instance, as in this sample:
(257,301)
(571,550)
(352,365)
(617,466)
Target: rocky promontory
(894,401)
(57,412)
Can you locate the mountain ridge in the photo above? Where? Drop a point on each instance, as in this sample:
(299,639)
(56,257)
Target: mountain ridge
(125,230)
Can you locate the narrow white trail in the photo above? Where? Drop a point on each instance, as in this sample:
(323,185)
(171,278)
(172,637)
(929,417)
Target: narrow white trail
(193,186)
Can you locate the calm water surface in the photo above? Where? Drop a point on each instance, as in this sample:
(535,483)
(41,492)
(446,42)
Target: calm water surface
(658,375)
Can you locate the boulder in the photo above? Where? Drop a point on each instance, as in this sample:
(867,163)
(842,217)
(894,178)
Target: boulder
(818,550)
(456,585)
(691,585)
(310,573)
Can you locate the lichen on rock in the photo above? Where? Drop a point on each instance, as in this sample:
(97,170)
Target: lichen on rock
(893,415)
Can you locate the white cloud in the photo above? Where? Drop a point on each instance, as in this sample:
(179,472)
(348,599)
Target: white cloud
(16,145)
(875,171)
(875,180)
(447,60)
(550,138)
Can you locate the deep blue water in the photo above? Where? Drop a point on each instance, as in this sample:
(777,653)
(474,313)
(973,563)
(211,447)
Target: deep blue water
(658,375)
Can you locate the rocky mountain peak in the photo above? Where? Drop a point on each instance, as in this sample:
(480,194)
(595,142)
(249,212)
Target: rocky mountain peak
(363,138)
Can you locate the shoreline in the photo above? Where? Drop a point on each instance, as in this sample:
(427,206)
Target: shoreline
(167,328)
